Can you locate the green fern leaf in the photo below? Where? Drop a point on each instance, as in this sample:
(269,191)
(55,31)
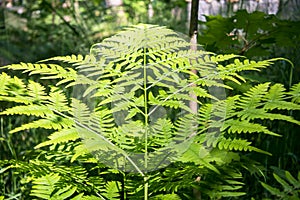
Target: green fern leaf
(57,100)
(253,98)
(295,93)
(166,197)
(236,144)
(34,110)
(64,193)
(11,85)
(276,99)
(230,194)
(220,58)
(91,198)
(251,114)
(52,71)
(237,126)
(80,151)
(285,185)
(273,190)
(67,59)
(64,135)
(51,122)
(44,186)
(112,190)
(36,90)
(161,132)
(197,153)
(292,180)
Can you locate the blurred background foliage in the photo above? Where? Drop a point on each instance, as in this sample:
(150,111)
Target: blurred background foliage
(31,30)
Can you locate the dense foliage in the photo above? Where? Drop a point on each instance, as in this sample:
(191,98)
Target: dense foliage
(261,36)
(119,125)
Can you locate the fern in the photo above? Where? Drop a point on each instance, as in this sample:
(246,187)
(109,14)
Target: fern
(130,108)
(276,99)
(52,71)
(288,183)
(68,59)
(111,190)
(237,126)
(295,93)
(64,135)
(44,187)
(34,110)
(50,122)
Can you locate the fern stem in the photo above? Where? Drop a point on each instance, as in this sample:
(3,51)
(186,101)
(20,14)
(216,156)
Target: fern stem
(146,123)
(145,187)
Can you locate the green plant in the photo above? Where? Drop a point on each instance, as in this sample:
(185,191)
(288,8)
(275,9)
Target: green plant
(290,185)
(128,101)
(255,35)
(260,36)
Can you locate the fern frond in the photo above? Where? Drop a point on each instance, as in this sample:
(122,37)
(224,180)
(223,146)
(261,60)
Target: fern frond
(67,59)
(112,190)
(51,71)
(289,184)
(251,114)
(57,100)
(36,91)
(4,82)
(15,90)
(237,126)
(220,58)
(239,66)
(149,36)
(34,110)
(276,99)
(11,85)
(230,71)
(253,98)
(44,186)
(199,155)
(295,93)
(64,135)
(161,132)
(51,122)
(166,197)
(259,100)
(81,151)
(237,144)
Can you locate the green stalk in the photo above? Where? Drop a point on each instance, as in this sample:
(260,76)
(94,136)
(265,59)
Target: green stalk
(146,127)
